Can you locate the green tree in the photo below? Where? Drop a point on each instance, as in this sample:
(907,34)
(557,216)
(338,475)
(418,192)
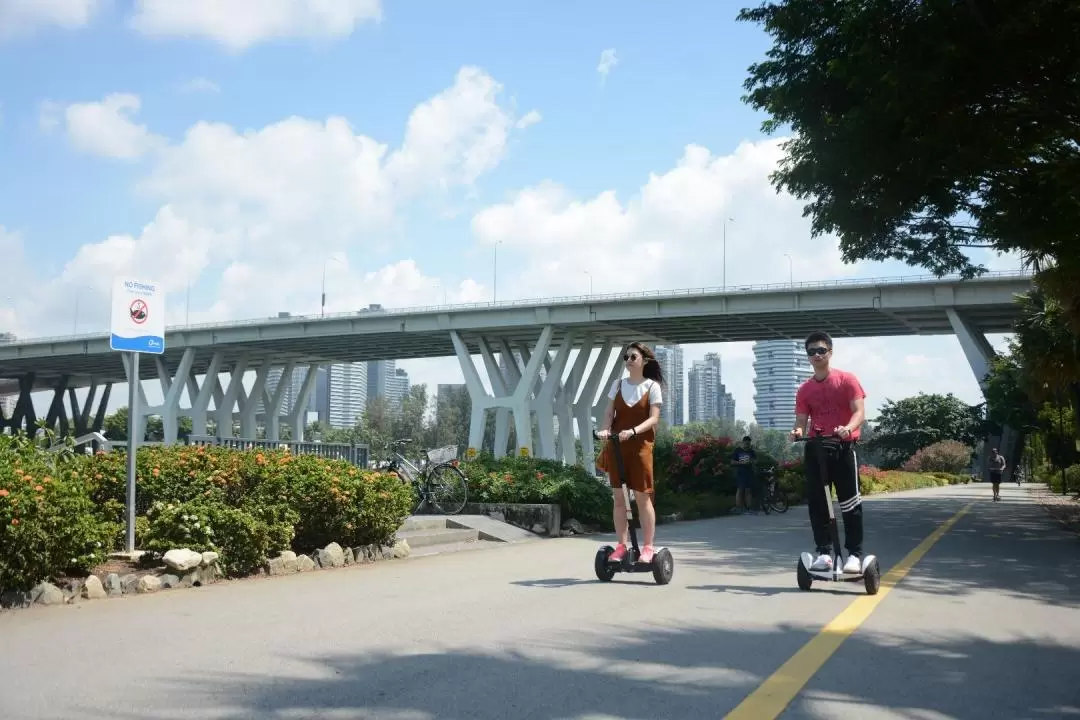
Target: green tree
(924,128)
(906,426)
(1007,398)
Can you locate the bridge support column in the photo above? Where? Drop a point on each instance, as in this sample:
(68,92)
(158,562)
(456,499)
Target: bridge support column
(566,400)
(249,402)
(171,389)
(80,416)
(584,407)
(199,395)
(226,399)
(145,409)
(980,353)
(57,414)
(272,402)
(298,412)
(499,384)
(23,416)
(518,402)
(544,404)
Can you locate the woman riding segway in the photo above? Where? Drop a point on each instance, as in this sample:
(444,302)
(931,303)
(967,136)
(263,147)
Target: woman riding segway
(633,413)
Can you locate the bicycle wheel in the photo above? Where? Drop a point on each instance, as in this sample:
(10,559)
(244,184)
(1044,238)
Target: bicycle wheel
(448,489)
(778,501)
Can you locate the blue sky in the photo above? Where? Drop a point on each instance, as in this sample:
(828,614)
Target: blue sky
(598,180)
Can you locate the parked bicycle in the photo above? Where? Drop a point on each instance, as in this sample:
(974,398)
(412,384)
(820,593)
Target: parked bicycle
(772,497)
(440,483)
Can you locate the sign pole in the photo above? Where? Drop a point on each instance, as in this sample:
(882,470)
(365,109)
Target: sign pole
(138,326)
(132,447)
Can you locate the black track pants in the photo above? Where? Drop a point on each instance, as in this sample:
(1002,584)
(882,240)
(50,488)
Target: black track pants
(843,473)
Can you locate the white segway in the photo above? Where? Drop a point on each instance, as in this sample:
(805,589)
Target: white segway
(870,571)
(662,566)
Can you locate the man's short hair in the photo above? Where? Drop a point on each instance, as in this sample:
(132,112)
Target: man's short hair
(746,438)
(816,337)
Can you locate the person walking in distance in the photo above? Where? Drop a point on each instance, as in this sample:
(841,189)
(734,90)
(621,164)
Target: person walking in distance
(997,467)
(832,402)
(634,412)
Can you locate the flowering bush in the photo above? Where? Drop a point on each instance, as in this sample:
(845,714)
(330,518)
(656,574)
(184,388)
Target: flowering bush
(948,456)
(47,522)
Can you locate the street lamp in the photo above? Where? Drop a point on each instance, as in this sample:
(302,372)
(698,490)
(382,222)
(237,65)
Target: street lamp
(725,251)
(590,281)
(322,309)
(495,270)
(791,273)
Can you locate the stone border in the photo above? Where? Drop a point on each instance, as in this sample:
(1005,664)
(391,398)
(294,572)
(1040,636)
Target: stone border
(183,568)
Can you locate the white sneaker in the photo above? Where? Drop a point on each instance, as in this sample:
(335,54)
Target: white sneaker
(823,562)
(853,565)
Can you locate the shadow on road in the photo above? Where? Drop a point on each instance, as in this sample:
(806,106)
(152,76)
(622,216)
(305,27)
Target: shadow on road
(685,673)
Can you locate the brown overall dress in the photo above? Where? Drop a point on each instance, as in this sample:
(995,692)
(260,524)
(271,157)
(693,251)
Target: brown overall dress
(637,452)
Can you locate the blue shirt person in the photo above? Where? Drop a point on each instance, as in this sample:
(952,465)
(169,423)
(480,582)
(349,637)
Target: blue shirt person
(743,458)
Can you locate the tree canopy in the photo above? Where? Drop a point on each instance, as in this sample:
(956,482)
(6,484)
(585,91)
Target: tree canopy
(924,128)
(905,426)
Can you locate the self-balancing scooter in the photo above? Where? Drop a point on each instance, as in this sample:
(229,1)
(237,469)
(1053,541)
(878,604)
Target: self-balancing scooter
(869,571)
(663,564)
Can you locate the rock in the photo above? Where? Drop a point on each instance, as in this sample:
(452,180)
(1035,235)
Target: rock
(169,581)
(275,566)
(73,591)
(128,583)
(14,599)
(304,563)
(573,526)
(182,560)
(148,584)
(192,579)
(47,594)
(401,549)
(209,558)
(539,528)
(331,556)
(365,553)
(386,552)
(113,585)
(289,561)
(350,556)
(92,589)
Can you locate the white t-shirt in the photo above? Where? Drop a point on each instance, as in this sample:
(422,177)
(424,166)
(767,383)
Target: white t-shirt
(632,393)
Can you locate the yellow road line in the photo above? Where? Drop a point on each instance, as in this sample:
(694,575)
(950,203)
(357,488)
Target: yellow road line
(773,696)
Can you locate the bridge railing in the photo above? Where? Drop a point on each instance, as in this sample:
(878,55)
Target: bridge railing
(356,454)
(562,300)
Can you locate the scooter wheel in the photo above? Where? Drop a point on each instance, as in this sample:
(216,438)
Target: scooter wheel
(872,578)
(663,567)
(604,571)
(803,576)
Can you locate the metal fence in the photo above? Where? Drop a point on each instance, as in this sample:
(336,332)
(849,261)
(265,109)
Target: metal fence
(356,454)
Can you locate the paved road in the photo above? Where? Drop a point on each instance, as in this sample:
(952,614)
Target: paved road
(984,626)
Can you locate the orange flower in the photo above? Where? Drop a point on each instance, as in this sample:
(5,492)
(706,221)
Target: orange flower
(4,492)
(15,521)
(155,472)
(39,488)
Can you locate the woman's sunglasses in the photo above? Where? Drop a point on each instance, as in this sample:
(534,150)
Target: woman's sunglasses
(631,356)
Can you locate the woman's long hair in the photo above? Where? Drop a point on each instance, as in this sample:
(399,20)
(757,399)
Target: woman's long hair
(651,368)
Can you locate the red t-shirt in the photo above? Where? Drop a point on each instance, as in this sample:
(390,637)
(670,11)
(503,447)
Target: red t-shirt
(828,402)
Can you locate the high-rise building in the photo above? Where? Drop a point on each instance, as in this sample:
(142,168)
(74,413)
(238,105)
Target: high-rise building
(670,358)
(709,398)
(347,390)
(780,366)
(397,387)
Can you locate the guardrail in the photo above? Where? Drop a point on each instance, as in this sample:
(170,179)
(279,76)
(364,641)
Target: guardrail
(556,300)
(358,455)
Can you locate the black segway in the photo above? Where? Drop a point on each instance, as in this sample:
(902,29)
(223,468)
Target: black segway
(870,571)
(663,564)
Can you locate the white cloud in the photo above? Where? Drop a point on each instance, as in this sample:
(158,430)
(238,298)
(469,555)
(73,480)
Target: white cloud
(24,16)
(239,24)
(608,61)
(250,216)
(104,128)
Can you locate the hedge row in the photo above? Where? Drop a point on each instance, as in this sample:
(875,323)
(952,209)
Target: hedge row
(61,513)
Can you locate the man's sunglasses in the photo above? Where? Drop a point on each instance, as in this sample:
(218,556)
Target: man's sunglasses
(817,351)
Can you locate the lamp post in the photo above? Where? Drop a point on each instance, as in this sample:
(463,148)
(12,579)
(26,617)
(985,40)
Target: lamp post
(790,271)
(322,308)
(725,251)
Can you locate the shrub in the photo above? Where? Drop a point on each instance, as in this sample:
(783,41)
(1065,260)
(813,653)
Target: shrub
(47,522)
(529,480)
(242,540)
(948,456)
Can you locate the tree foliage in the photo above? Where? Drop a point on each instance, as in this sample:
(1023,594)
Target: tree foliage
(906,426)
(924,128)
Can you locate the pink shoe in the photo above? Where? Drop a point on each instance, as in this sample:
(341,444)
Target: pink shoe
(647,554)
(618,553)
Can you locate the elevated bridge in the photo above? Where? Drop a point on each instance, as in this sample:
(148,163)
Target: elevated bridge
(543,331)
